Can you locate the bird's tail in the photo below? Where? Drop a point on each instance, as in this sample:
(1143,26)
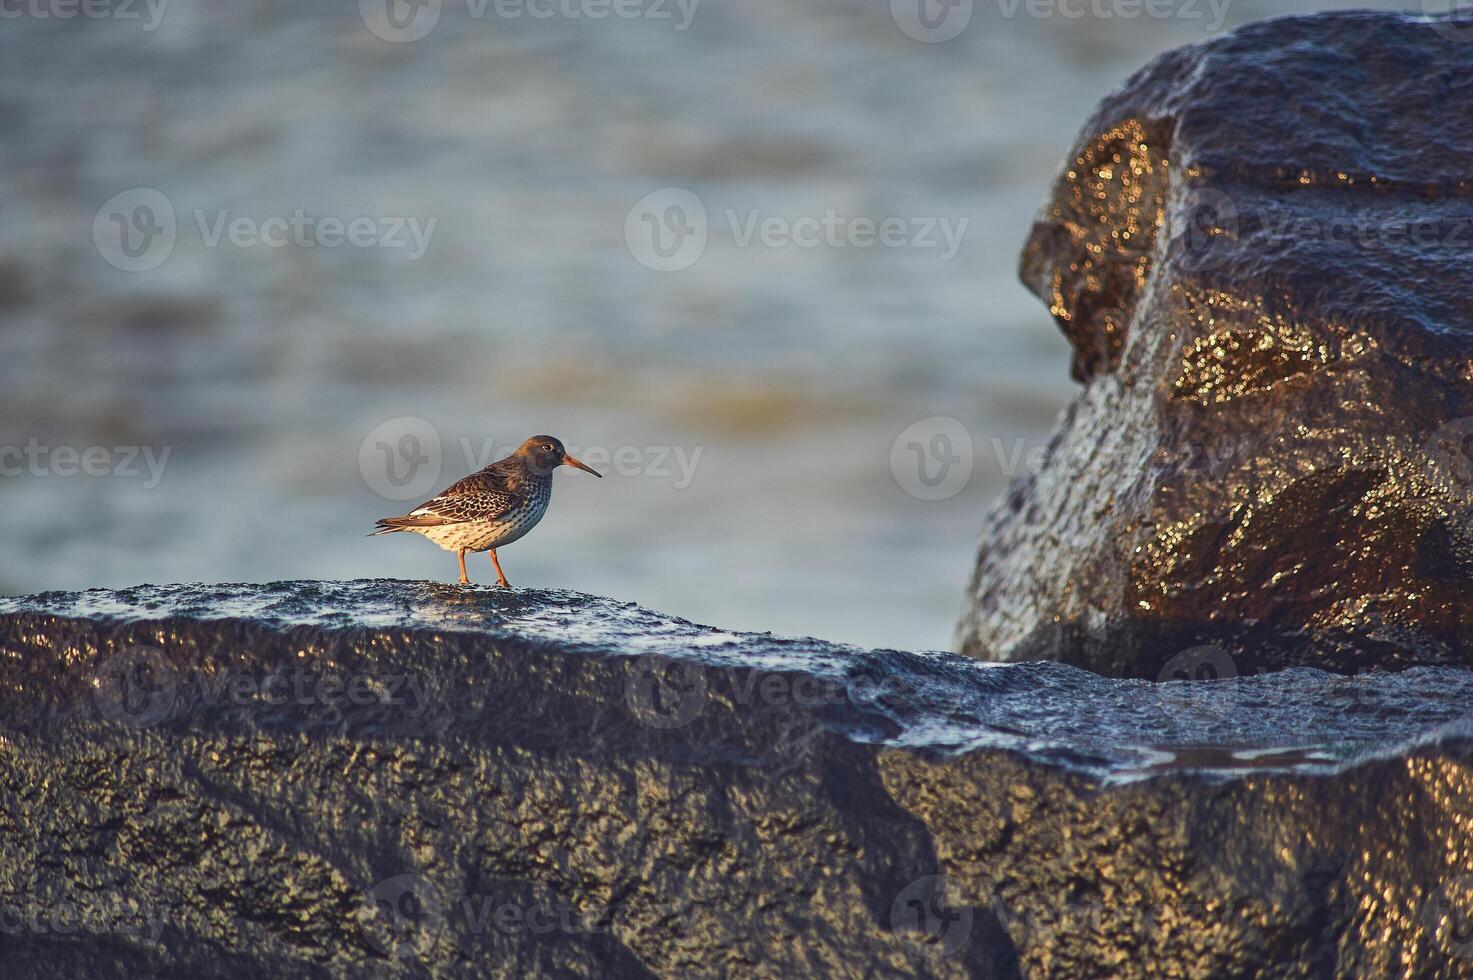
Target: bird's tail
(388,525)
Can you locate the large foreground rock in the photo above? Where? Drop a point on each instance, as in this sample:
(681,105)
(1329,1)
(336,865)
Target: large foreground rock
(1261,250)
(373,779)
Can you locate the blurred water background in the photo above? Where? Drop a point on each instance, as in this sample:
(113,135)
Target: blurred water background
(781,375)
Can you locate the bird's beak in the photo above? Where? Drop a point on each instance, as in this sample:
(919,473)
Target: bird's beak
(569,460)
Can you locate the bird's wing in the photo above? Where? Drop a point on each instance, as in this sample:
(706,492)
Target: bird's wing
(481,496)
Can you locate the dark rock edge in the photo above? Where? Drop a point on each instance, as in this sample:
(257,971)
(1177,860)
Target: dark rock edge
(766,839)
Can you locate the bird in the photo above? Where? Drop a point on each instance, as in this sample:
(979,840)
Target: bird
(493,506)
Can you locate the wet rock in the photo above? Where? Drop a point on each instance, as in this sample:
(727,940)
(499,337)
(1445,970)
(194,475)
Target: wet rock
(371,779)
(1261,250)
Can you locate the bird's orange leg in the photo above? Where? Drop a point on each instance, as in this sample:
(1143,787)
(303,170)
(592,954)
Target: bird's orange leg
(500,576)
(464,578)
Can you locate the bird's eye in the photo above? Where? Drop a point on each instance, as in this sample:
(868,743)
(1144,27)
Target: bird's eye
(547,447)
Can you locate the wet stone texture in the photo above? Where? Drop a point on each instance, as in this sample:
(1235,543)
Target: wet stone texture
(389,779)
(1261,251)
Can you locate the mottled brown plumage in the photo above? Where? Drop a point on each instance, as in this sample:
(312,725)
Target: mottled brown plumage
(492,507)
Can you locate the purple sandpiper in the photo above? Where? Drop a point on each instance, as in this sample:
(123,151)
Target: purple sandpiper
(492,507)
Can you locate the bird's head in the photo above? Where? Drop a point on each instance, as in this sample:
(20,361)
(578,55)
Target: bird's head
(546,453)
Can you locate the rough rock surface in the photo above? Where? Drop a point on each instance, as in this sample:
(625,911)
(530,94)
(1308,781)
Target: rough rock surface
(1261,250)
(373,779)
